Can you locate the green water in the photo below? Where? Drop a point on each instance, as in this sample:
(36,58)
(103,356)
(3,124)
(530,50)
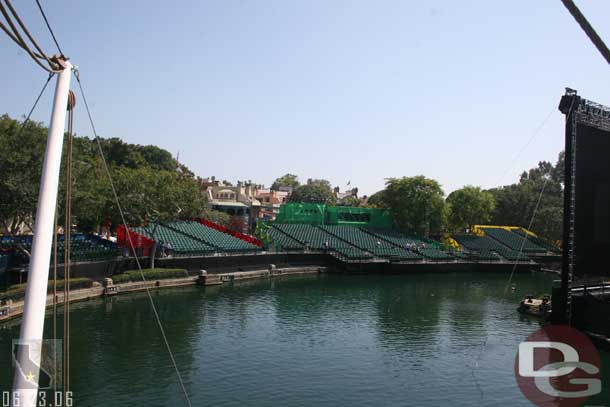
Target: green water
(329,340)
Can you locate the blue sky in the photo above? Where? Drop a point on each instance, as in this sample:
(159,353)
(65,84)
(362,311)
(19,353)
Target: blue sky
(344,90)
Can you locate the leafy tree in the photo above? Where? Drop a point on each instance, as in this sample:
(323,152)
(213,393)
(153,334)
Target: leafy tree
(377,200)
(417,203)
(316,191)
(351,201)
(288,180)
(151,185)
(540,187)
(469,206)
(21,155)
(215,216)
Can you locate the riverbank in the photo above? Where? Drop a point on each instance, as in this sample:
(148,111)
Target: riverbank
(14,309)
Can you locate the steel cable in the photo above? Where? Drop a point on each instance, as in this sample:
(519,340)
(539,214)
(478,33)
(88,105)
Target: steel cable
(131,244)
(18,39)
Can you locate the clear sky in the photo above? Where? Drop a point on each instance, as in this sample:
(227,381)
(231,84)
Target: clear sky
(344,90)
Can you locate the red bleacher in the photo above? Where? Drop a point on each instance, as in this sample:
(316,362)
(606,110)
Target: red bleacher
(238,235)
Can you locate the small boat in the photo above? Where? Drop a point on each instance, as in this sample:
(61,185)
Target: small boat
(539,307)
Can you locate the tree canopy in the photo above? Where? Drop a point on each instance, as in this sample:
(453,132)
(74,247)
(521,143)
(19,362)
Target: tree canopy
(315,191)
(468,206)
(288,180)
(150,183)
(541,186)
(417,204)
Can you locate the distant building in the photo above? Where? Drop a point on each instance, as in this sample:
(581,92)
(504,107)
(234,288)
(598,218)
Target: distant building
(343,196)
(270,202)
(239,200)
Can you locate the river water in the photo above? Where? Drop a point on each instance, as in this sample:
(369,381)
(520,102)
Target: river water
(319,340)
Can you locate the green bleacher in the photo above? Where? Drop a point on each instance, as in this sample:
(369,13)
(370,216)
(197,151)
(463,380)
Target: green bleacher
(316,238)
(311,236)
(435,254)
(513,241)
(484,245)
(283,241)
(353,253)
(212,237)
(396,238)
(370,243)
(83,248)
(426,248)
(179,243)
(540,242)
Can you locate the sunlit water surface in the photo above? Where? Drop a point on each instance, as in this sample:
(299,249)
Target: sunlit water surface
(328,340)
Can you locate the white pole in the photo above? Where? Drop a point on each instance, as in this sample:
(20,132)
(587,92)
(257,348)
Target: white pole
(26,388)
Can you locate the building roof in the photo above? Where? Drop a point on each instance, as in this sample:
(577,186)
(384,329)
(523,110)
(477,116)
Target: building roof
(228,203)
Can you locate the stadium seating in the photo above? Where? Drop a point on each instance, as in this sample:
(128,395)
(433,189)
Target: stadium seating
(83,247)
(212,237)
(426,248)
(432,253)
(370,243)
(397,238)
(311,236)
(179,243)
(513,241)
(283,241)
(540,242)
(353,253)
(485,246)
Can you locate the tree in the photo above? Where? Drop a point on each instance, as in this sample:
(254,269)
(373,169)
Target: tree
(150,184)
(215,216)
(351,201)
(540,187)
(468,206)
(417,204)
(21,155)
(288,180)
(158,196)
(316,191)
(377,200)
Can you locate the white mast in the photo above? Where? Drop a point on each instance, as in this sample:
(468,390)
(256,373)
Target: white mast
(32,325)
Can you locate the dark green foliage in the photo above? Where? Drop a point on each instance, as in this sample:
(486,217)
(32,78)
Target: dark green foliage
(150,183)
(316,191)
(149,274)
(468,206)
(515,204)
(417,204)
(288,180)
(17,292)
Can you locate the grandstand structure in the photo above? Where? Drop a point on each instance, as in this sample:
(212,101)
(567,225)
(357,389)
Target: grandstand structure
(14,250)
(354,243)
(488,242)
(366,234)
(513,243)
(186,238)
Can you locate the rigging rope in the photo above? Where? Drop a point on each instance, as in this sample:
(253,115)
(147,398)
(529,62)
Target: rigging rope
(27,118)
(532,137)
(524,240)
(44,16)
(18,39)
(131,244)
(55,239)
(67,234)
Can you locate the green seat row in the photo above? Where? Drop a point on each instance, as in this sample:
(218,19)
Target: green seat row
(513,240)
(220,240)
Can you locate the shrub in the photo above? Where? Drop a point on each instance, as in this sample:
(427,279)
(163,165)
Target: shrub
(149,274)
(17,291)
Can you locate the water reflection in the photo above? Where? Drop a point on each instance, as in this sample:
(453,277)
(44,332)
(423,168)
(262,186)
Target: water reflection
(420,339)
